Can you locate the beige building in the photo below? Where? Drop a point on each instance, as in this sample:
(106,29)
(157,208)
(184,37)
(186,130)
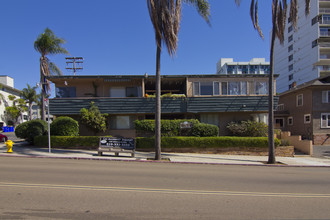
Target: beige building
(214,99)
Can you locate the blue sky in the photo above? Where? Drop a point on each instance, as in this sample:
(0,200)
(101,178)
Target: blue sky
(117,37)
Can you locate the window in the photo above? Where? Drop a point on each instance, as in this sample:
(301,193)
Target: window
(132,92)
(289,19)
(122,122)
(261,88)
(263,117)
(290,120)
(196,88)
(290,67)
(325,120)
(290,29)
(291,57)
(290,38)
(206,88)
(315,20)
(237,88)
(279,123)
(300,100)
(290,77)
(307,118)
(324,32)
(117,92)
(65,92)
(280,107)
(326,96)
(224,88)
(212,119)
(314,43)
(290,48)
(216,88)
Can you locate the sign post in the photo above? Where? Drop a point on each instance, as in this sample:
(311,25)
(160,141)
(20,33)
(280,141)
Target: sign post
(117,145)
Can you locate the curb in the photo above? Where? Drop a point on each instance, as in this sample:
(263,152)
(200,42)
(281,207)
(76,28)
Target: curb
(169,162)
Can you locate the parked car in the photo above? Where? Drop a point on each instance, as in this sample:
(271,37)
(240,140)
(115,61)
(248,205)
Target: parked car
(3,138)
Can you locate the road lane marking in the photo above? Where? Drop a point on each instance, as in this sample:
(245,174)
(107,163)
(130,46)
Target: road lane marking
(168,191)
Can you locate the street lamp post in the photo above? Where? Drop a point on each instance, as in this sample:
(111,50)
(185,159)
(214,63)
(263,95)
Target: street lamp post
(47,106)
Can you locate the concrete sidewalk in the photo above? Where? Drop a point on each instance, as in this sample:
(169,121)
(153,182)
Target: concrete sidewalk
(22,150)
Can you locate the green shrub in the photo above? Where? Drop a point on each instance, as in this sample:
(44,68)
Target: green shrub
(21,130)
(169,128)
(35,128)
(64,126)
(248,129)
(205,130)
(205,142)
(284,142)
(70,142)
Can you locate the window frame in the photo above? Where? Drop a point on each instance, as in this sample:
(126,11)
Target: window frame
(307,121)
(298,99)
(282,119)
(70,90)
(197,88)
(280,107)
(222,88)
(290,120)
(326,96)
(326,120)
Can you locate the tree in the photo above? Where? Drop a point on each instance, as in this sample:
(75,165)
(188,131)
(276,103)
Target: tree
(48,43)
(15,111)
(30,96)
(279,13)
(165,16)
(93,119)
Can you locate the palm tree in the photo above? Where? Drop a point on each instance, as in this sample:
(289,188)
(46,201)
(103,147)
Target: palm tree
(48,43)
(279,13)
(165,16)
(29,94)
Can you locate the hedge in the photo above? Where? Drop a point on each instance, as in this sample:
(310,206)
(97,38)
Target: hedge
(70,142)
(92,142)
(205,142)
(171,128)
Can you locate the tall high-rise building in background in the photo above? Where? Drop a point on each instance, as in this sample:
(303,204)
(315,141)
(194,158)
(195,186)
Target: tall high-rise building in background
(305,53)
(255,66)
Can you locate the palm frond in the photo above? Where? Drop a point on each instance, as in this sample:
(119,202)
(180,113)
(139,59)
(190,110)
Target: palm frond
(307,6)
(254,17)
(54,70)
(49,43)
(203,8)
(165,16)
(294,13)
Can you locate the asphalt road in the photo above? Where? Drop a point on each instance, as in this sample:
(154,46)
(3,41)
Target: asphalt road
(36,188)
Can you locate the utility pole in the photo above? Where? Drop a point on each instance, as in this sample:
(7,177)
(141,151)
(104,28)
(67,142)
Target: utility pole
(76,64)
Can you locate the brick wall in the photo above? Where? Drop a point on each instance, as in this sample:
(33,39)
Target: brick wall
(321,139)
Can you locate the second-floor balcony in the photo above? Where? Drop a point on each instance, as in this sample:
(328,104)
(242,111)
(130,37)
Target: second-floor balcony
(72,106)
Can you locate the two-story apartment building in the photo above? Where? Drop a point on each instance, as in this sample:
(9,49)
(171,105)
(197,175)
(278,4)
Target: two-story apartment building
(215,99)
(305,110)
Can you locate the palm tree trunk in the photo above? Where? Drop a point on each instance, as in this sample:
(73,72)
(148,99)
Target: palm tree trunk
(43,92)
(271,154)
(30,111)
(158,107)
